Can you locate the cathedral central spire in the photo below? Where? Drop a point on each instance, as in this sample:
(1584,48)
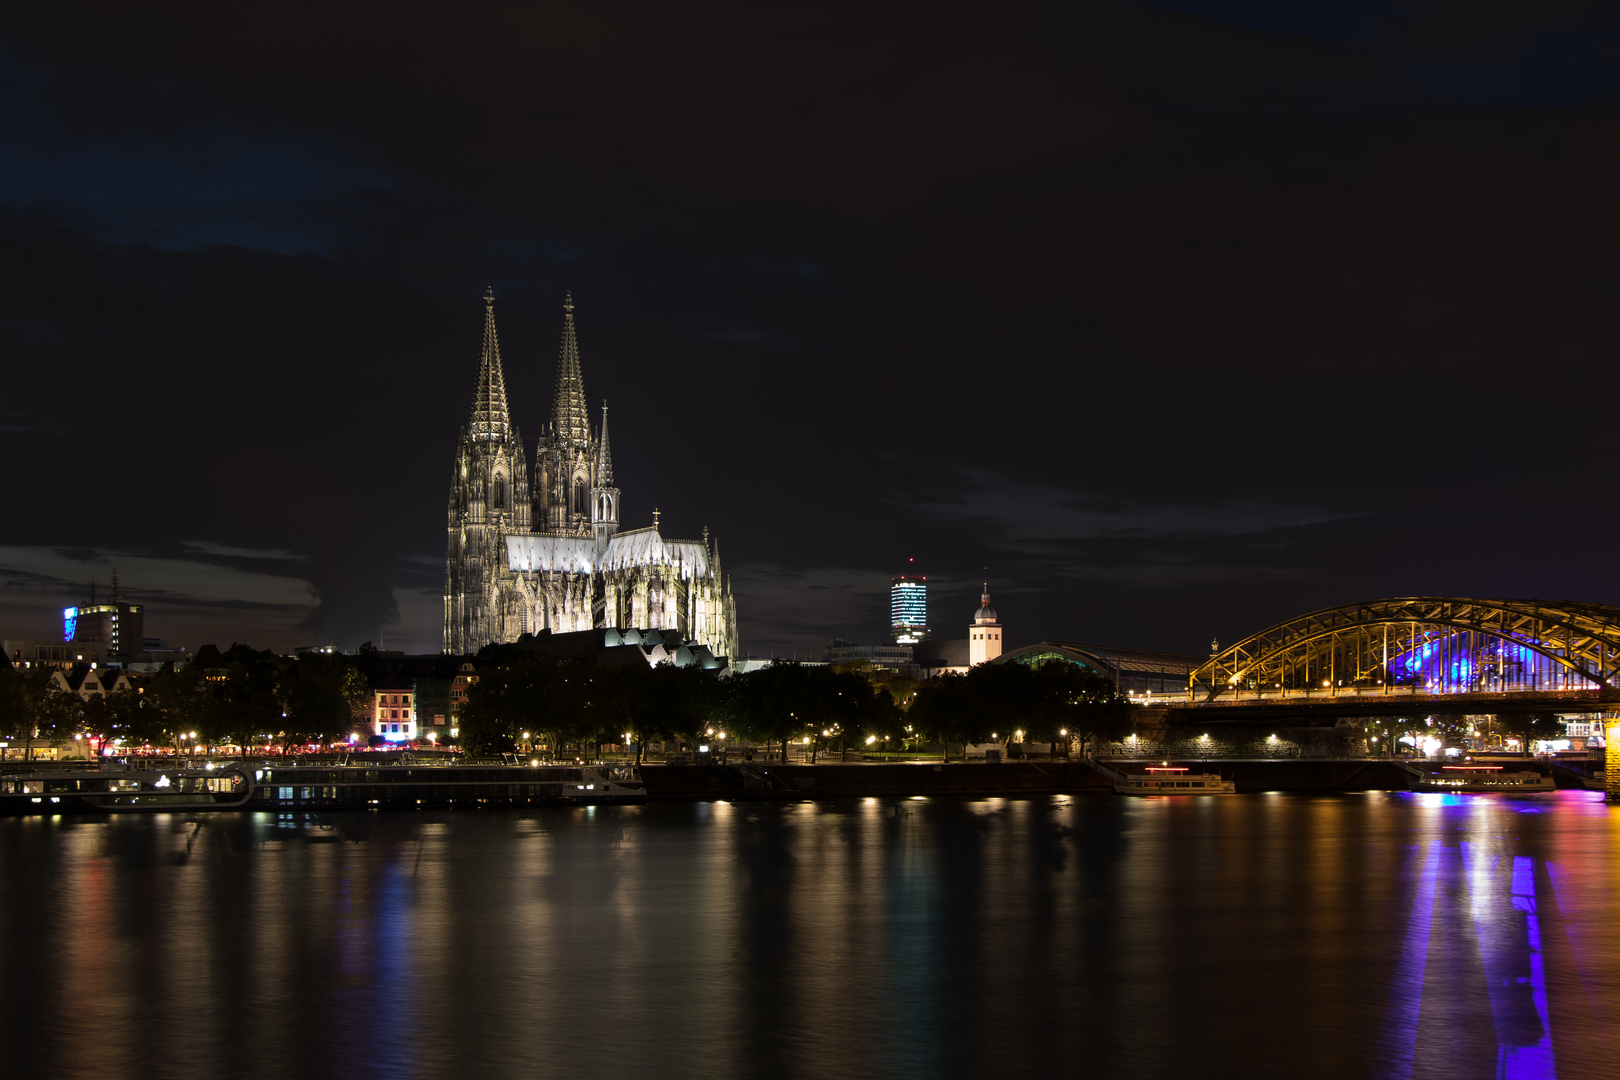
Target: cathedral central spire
(604,496)
(604,455)
(490,419)
(570,416)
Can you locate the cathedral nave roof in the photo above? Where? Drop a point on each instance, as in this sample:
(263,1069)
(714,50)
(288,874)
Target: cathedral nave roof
(532,553)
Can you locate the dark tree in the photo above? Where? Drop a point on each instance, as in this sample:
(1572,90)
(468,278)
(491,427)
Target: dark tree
(32,705)
(243,705)
(509,699)
(172,703)
(320,695)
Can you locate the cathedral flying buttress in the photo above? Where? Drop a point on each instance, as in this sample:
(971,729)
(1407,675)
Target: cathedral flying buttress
(525,558)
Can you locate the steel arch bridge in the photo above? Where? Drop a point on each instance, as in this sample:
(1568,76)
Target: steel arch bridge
(1422,646)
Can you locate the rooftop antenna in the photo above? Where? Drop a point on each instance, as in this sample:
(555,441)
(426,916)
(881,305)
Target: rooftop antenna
(115,585)
(92,590)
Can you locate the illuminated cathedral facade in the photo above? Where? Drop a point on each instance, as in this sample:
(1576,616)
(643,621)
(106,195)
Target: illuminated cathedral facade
(541,549)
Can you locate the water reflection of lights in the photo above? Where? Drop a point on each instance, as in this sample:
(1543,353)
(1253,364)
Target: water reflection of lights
(1475,940)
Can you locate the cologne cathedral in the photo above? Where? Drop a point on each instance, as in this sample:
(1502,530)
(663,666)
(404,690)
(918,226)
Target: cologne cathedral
(540,549)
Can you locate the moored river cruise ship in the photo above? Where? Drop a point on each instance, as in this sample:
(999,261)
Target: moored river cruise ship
(1483,779)
(348,783)
(1166,779)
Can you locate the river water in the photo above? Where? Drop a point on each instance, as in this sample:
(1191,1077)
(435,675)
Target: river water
(1367,935)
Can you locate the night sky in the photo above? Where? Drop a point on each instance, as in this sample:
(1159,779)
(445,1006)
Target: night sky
(1183,318)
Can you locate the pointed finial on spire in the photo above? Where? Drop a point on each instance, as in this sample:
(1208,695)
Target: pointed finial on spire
(655,517)
(568,303)
(489,295)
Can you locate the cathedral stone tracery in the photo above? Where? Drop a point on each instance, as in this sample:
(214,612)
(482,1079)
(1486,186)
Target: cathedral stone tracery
(524,558)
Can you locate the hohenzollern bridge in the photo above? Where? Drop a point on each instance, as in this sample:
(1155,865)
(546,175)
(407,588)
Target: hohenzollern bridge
(1434,654)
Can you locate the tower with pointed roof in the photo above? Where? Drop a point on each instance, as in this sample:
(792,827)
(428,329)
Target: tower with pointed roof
(604,496)
(984,636)
(551,556)
(565,461)
(489,497)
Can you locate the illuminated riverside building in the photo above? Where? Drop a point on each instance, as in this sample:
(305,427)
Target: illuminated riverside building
(908,607)
(116,626)
(394,713)
(981,646)
(984,636)
(532,551)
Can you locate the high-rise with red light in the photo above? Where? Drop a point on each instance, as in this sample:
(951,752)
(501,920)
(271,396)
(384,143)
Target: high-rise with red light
(908,606)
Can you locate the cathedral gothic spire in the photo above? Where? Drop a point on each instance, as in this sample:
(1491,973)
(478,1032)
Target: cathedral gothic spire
(604,455)
(489,499)
(604,496)
(570,416)
(490,420)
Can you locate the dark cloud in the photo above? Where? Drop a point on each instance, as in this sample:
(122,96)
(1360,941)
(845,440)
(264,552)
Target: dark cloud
(1181,317)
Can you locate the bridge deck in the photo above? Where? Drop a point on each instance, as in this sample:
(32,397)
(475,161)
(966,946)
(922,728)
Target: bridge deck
(1398,702)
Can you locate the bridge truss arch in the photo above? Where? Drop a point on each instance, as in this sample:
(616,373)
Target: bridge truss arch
(1424,644)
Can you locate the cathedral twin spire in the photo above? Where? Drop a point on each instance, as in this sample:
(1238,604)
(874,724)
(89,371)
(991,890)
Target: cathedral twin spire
(570,438)
(490,420)
(570,416)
